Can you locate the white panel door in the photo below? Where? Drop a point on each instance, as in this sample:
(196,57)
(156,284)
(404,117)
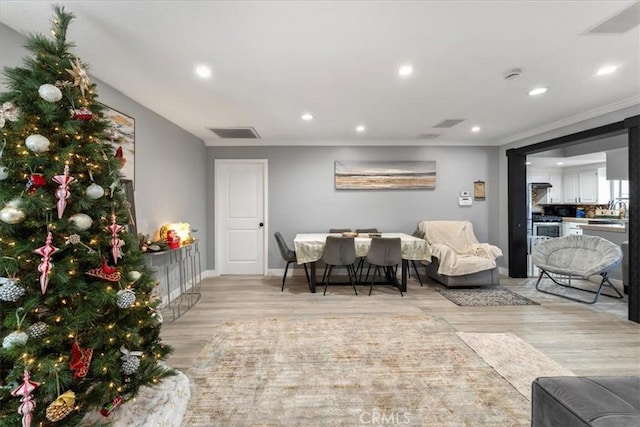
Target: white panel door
(240,216)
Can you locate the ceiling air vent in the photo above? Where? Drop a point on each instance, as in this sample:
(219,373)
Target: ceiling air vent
(449,123)
(427,136)
(246,132)
(619,23)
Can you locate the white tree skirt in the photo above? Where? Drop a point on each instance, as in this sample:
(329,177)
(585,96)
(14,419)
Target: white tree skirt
(163,405)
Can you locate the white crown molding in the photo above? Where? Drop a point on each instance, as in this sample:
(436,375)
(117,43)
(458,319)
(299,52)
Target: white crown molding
(605,109)
(265,142)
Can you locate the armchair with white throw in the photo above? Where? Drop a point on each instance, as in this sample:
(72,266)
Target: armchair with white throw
(457,257)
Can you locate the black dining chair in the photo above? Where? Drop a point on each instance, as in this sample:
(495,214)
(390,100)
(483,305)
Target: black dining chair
(385,253)
(289,256)
(339,230)
(339,252)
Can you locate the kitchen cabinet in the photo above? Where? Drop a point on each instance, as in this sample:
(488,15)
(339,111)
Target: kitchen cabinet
(551,195)
(581,186)
(571,229)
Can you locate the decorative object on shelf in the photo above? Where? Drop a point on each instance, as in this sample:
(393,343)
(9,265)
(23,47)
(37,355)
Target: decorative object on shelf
(479,190)
(27,404)
(108,408)
(105,272)
(122,136)
(81,221)
(35,181)
(183,230)
(9,112)
(63,193)
(80,360)
(61,407)
(49,93)
(387,175)
(45,265)
(37,143)
(12,213)
(173,239)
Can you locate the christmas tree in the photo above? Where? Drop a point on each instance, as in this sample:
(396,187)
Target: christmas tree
(79,321)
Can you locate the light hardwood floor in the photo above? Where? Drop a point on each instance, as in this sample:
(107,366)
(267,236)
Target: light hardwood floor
(587,339)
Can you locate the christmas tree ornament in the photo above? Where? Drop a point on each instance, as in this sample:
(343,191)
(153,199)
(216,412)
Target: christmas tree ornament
(37,143)
(61,407)
(38,330)
(80,76)
(130,360)
(63,193)
(74,239)
(105,272)
(108,408)
(94,191)
(81,114)
(49,93)
(9,289)
(115,242)
(134,275)
(80,360)
(35,181)
(45,265)
(27,404)
(9,112)
(81,221)
(4,172)
(12,213)
(126,298)
(17,337)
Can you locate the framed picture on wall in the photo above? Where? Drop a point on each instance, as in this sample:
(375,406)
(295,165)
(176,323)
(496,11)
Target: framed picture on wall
(122,135)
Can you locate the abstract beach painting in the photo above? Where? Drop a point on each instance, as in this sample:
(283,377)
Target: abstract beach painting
(378,175)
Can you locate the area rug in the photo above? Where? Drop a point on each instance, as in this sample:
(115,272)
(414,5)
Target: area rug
(349,371)
(485,297)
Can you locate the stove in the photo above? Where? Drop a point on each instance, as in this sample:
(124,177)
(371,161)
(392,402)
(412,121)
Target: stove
(546,218)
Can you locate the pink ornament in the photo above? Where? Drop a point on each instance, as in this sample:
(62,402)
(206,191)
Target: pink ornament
(28,404)
(45,265)
(116,242)
(63,193)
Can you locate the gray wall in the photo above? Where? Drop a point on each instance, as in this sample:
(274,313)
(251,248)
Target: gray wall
(170,175)
(302,197)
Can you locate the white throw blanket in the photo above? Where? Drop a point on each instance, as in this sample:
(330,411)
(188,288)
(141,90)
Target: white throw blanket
(457,248)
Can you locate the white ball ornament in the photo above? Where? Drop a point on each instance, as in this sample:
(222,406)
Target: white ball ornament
(4,173)
(37,143)
(81,221)
(134,275)
(50,93)
(11,213)
(14,339)
(94,191)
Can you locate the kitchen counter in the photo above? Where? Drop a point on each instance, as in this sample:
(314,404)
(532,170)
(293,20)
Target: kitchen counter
(615,228)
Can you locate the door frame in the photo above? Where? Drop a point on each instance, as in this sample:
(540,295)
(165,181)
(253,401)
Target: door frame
(217,224)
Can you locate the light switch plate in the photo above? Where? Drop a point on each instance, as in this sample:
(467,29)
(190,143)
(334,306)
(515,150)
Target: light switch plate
(465,194)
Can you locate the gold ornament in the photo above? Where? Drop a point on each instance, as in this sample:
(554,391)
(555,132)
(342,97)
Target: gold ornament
(80,76)
(61,407)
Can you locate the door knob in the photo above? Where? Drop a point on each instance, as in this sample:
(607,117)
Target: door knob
(261,224)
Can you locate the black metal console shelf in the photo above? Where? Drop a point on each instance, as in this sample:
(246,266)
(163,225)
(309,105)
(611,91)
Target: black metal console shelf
(179,272)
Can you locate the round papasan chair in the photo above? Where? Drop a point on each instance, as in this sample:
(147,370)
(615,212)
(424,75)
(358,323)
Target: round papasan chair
(577,256)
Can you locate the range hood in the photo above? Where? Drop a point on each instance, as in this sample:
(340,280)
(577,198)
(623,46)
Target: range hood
(540,185)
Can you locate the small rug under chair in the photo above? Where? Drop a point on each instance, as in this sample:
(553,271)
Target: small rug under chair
(349,371)
(489,296)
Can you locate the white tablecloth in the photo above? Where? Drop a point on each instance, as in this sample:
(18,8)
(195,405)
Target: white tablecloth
(309,246)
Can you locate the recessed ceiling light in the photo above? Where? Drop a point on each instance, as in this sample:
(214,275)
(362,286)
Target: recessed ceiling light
(360,128)
(606,70)
(405,70)
(307,116)
(475,129)
(527,163)
(537,91)
(203,71)
(560,163)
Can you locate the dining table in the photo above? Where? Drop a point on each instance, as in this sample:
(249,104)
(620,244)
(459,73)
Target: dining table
(309,248)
